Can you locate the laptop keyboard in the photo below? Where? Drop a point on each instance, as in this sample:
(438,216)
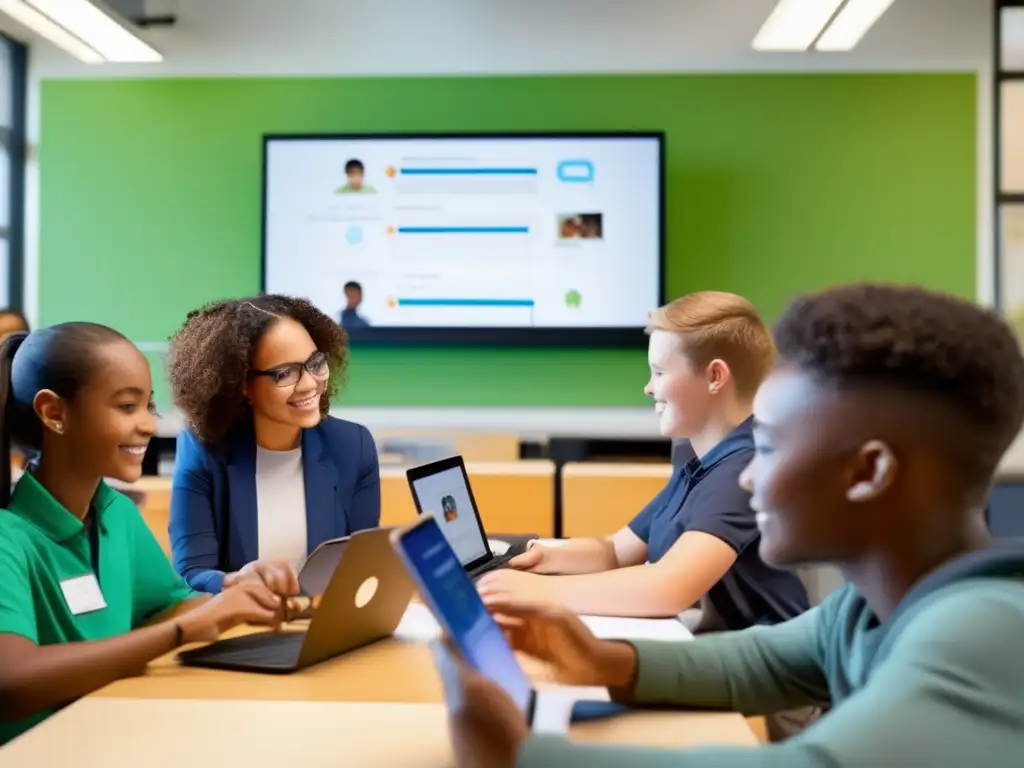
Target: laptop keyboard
(500,561)
(263,648)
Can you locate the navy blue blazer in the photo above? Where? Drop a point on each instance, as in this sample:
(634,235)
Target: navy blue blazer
(213,523)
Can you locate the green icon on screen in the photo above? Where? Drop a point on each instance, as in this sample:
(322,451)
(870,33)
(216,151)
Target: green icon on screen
(573,299)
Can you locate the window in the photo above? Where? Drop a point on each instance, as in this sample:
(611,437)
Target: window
(12,170)
(1009,171)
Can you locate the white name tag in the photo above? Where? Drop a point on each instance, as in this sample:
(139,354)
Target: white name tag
(83,594)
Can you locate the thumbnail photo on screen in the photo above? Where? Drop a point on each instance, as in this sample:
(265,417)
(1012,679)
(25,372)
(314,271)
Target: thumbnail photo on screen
(449,508)
(355,179)
(580,226)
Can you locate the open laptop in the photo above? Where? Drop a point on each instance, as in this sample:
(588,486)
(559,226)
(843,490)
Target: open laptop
(442,489)
(364,602)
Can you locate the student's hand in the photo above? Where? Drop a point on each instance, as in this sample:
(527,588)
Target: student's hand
(276,574)
(485,726)
(559,638)
(506,584)
(248,602)
(537,558)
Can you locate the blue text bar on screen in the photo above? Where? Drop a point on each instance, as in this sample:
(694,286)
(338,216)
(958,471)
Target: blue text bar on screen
(466,302)
(463,230)
(468,171)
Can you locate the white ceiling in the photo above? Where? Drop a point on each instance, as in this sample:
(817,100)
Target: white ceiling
(321,37)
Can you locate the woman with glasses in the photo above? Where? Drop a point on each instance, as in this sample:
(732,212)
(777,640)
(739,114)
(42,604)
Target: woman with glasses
(263,474)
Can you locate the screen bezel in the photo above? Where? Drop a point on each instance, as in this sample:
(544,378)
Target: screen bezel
(435,468)
(397,541)
(471,336)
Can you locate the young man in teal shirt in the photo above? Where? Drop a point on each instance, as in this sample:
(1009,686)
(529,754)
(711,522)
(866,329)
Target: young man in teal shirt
(877,437)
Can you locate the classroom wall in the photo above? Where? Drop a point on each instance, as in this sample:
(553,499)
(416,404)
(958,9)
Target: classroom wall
(765,174)
(775,184)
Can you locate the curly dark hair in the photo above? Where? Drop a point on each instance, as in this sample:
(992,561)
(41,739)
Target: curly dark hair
(211,354)
(917,340)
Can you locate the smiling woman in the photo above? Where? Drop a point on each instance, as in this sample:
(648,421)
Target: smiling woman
(263,475)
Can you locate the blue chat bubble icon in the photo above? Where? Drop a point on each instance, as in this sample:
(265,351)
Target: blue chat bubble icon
(575,171)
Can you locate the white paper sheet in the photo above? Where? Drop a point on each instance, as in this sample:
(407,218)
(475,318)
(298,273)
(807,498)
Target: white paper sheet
(498,546)
(418,624)
(613,628)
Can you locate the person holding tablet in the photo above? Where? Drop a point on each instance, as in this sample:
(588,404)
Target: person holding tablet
(697,539)
(263,474)
(86,594)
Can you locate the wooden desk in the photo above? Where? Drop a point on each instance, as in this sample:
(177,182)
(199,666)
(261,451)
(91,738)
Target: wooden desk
(513,496)
(387,671)
(99,733)
(396,669)
(599,498)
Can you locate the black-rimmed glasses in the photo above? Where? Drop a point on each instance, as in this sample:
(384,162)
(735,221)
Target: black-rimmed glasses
(289,374)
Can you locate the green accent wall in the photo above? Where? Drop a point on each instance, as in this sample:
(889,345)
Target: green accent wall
(150,197)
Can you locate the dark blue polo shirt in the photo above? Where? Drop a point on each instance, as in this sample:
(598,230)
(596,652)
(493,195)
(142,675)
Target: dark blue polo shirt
(704,495)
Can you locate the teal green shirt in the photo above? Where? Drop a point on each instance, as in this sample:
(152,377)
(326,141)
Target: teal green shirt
(943,688)
(42,544)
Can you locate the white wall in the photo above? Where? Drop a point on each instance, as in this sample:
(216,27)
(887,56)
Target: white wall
(476,37)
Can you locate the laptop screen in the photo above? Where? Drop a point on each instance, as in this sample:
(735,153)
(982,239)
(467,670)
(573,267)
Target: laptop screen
(446,496)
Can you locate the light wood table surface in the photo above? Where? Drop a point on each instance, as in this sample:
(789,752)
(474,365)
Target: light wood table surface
(387,671)
(109,733)
(345,711)
(395,669)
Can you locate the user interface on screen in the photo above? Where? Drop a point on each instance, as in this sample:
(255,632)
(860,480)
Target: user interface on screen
(510,232)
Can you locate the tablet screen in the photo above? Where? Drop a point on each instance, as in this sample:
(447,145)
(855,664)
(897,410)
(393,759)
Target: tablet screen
(454,601)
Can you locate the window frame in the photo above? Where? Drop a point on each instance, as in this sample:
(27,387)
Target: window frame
(17,151)
(1002,200)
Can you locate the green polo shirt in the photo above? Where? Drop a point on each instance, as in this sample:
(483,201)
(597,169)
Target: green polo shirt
(42,544)
(347,189)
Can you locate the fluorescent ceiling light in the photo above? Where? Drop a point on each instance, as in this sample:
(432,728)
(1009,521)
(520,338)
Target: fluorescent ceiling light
(852,23)
(42,26)
(98,30)
(82,29)
(795,24)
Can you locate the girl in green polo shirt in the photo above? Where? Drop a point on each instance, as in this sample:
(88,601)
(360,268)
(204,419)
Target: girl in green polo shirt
(86,594)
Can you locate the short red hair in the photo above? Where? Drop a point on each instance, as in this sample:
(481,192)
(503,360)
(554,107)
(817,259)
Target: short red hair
(715,324)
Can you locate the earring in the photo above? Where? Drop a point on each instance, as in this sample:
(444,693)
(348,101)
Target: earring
(58,428)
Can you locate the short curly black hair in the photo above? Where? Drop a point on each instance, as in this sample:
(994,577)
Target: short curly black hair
(917,340)
(211,356)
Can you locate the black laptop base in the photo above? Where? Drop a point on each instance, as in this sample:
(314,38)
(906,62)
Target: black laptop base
(275,652)
(495,563)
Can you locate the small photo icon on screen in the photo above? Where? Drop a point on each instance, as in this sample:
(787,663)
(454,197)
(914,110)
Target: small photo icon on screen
(355,179)
(580,226)
(449,508)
